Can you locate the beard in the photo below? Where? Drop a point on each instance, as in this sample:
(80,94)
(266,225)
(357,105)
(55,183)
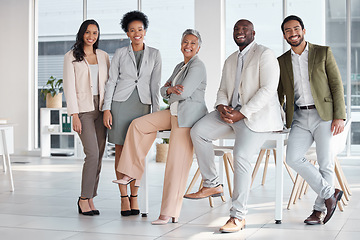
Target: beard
(240,44)
(295,44)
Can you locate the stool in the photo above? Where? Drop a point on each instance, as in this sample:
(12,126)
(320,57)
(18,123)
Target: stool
(259,160)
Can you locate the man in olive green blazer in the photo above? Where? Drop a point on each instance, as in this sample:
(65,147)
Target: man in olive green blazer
(310,86)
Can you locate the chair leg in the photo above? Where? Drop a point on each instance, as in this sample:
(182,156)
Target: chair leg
(266,166)
(340,180)
(289,171)
(306,188)
(342,175)
(300,190)
(343,200)
(257,165)
(193,181)
(230,161)
(211,202)
(294,190)
(303,189)
(226,160)
(340,206)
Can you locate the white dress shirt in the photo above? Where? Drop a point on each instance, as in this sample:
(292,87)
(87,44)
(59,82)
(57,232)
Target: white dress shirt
(174,105)
(303,96)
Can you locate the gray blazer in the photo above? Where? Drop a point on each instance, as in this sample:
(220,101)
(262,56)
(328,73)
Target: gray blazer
(192,105)
(124,77)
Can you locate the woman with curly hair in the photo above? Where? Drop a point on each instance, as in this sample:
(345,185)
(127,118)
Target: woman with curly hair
(131,91)
(85,73)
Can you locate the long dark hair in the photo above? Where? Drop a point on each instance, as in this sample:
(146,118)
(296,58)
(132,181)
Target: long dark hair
(78,47)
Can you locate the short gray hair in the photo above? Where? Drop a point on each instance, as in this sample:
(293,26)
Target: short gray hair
(192,32)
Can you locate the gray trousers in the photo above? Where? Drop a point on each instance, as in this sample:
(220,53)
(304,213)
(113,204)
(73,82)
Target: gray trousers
(307,127)
(247,144)
(93,138)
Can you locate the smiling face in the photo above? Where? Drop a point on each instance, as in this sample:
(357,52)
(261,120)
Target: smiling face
(91,35)
(189,47)
(136,32)
(293,33)
(243,33)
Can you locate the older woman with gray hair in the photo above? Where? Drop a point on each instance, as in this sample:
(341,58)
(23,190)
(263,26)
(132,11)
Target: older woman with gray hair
(185,91)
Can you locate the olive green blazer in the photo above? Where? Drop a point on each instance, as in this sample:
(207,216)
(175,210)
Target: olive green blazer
(325,83)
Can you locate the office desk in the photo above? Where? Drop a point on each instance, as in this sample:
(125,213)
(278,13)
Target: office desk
(276,140)
(6,148)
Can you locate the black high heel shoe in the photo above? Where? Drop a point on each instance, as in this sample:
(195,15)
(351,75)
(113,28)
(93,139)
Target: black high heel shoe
(134,211)
(126,212)
(89,213)
(96,212)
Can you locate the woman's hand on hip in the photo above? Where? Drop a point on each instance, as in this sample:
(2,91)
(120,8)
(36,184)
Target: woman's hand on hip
(76,123)
(107,119)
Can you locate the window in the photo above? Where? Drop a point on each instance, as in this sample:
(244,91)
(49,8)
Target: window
(167,21)
(58,24)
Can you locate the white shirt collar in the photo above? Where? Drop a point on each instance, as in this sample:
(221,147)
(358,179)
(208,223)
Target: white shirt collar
(305,50)
(246,49)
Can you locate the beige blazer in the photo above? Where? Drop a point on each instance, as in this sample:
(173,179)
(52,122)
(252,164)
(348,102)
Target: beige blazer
(77,83)
(258,88)
(325,83)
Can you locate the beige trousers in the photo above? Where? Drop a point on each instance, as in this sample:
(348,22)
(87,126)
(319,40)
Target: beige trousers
(140,136)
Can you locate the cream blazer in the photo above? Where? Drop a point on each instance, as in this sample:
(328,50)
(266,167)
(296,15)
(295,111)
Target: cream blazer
(77,83)
(258,88)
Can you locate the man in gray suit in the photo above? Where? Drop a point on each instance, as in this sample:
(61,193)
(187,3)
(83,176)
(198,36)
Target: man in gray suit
(247,105)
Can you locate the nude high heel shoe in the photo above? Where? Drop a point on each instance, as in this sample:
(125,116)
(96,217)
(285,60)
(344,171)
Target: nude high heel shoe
(164,221)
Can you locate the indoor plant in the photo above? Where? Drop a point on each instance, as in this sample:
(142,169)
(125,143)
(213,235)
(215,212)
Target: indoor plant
(52,92)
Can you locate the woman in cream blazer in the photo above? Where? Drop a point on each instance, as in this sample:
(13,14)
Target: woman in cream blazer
(185,91)
(131,92)
(85,74)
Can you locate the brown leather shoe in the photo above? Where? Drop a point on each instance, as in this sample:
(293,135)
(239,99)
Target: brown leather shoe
(331,203)
(205,192)
(233,225)
(314,218)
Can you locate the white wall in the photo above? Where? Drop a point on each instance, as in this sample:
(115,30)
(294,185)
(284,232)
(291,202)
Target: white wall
(16,74)
(210,22)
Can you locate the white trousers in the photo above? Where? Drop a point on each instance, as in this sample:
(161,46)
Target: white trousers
(307,127)
(247,144)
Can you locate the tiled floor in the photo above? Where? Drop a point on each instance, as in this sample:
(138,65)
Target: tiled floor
(43,206)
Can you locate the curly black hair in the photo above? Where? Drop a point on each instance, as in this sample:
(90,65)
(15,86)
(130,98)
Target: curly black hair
(78,47)
(134,16)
